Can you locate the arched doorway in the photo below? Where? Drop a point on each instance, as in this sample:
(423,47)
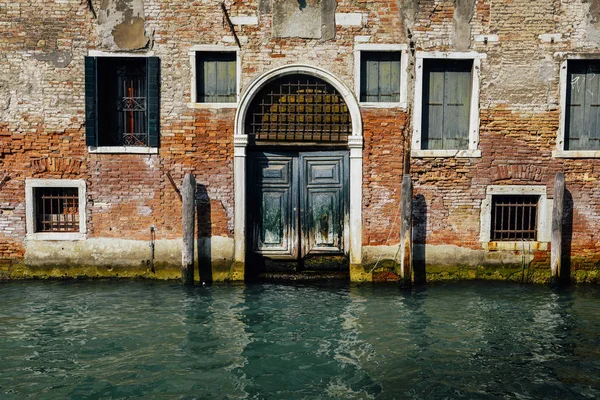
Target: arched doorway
(298,168)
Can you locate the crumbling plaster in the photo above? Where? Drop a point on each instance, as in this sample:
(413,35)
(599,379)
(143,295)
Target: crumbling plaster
(121,25)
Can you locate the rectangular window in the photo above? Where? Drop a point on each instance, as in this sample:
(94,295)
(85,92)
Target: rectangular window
(446,104)
(216,77)
(514,217)
(582,119)
(380,76)
(122,101)
(56,209)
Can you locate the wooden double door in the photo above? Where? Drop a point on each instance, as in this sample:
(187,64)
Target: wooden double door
(298,204)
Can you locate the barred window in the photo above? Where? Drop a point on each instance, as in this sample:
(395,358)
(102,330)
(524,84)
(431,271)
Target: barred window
(57,210)
(299,108)
(122,101)
(514,217)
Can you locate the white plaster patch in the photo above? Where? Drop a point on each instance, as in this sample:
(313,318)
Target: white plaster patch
(487,38)
(244,20)
(362,39)
(144,210)
(348,19)
(550,37)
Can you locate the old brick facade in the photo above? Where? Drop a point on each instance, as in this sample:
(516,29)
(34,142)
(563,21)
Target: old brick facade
(521,47)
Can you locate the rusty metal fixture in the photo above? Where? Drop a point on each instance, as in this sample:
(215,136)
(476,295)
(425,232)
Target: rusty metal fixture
(57,210)
(298,108)
(514,218)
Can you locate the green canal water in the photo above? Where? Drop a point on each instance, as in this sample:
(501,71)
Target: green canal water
(156,340)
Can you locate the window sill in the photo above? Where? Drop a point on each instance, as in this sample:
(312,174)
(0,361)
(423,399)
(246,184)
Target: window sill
(576,154)
(55,236)
(212,105)
(383,105)
(515,246)
(446,153)
(122,150)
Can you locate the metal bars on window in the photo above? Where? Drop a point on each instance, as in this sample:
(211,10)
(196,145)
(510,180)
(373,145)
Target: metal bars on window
(57,209)
(514,218)
(131,105)
(299,108)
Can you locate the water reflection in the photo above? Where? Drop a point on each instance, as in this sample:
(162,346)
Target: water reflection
(159,340)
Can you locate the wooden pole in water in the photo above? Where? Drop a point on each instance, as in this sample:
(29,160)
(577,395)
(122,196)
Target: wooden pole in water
(406,230)
(557,217)
(188,194)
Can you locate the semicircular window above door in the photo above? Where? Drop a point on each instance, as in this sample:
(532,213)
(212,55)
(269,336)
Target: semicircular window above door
(300,109)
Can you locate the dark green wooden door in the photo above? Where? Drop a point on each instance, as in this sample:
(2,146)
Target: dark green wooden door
(298,203)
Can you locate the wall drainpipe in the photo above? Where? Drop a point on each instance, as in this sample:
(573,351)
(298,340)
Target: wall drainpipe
(152,239)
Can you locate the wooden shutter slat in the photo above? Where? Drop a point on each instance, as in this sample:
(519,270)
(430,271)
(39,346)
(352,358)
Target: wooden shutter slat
(592,107)
(576,83)
(435,106)
(153,101)
(231,81)
(385,80)
(372,92)
(456,109)
(91,122)
(395,80)
(210,81)
(221,80)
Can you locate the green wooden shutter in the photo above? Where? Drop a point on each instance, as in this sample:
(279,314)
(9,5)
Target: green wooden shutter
(446,104)
(592,107)
(91,122)
(153,102)
(433,107)
(456,108)
(380,76)
(231,82)
(582,127)
(576,106)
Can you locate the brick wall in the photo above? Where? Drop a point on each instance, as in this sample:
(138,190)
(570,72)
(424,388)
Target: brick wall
(42,117)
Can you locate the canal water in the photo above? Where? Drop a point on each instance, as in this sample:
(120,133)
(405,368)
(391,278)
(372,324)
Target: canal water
(135,339)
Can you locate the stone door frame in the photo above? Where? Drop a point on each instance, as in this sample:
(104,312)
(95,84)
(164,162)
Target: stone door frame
(355,145)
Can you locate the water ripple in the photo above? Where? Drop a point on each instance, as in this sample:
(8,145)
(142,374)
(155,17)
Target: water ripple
(125,339)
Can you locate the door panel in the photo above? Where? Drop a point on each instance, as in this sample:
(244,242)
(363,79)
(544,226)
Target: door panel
(272,201)
(298,203)
(323,181)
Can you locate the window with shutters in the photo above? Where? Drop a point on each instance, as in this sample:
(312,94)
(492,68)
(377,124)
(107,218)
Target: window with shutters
(215,76)
(579,133)
(55,209)
(446,112)
(380,74)
(122,104)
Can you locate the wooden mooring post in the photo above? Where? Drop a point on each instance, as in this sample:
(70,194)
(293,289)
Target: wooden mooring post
(557,218)
(406,230)
(188,194)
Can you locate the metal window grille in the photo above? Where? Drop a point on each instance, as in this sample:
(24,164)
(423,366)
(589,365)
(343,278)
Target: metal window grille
(299,108)
(57,210)
(514,217)
(131,106)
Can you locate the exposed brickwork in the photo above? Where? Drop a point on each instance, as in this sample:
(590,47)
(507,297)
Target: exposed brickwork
(42,116)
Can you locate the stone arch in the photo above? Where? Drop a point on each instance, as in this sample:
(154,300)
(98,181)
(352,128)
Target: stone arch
(355,145)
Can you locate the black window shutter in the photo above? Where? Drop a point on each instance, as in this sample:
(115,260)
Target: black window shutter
(153,109)
(91,121)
